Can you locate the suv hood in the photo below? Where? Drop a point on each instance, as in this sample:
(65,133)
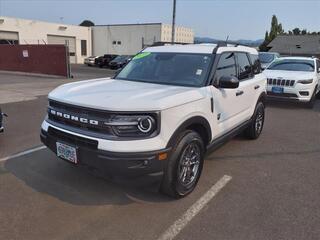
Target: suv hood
(289,75)
(119,95)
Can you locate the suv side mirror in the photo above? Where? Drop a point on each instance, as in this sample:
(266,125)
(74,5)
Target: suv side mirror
(228,82)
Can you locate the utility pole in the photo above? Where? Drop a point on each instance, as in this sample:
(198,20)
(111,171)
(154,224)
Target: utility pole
(173,22)
(1,8)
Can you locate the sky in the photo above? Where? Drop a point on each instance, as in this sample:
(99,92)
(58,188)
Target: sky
(238,19)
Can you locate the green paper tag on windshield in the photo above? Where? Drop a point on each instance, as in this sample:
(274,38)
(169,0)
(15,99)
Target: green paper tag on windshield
(141,55)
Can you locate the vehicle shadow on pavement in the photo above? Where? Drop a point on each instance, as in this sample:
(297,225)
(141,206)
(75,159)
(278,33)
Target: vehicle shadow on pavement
(45,173)
(263,155)
(293,105)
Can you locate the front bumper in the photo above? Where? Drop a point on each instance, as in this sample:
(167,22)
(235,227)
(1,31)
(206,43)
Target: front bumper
(111,163)
(283,97)
(290,94)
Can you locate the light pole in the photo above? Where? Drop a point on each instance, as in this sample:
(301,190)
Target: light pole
(173,22)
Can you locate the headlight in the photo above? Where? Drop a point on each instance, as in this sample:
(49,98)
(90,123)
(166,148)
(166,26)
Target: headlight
(133,125)
(146,124)
(308,81)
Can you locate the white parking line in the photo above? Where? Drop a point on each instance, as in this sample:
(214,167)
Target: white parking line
(23,153)
(178,225)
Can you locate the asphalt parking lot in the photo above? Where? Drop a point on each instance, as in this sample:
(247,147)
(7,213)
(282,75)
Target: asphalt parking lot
(273,191)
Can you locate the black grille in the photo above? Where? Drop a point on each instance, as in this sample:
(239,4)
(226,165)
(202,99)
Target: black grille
(99,123)
(86,113)
(281,82)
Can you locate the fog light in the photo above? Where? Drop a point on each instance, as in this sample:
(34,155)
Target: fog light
(304,93)
(145,162)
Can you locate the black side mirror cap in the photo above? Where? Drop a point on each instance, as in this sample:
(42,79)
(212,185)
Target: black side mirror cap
(228,82)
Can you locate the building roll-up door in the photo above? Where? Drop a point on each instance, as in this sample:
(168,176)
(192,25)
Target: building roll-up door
(9,37)
(70,41)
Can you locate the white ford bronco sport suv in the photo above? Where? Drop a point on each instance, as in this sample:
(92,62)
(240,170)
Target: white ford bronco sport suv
(160,114)
(294,78)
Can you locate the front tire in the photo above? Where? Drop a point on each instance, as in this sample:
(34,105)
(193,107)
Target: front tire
(184,166)
(256,126)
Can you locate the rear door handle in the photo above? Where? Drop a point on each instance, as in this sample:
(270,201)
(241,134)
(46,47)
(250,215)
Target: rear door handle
(256,87)
(238,93)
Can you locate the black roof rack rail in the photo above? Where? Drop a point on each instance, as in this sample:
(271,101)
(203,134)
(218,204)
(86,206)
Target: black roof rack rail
(225,44)
(220,44)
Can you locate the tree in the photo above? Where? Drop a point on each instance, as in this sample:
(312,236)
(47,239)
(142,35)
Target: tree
(296,31)
(86,23)
(304,32)
(275,30)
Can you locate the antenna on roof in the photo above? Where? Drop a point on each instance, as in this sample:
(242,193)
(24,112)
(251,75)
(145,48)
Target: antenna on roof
(227,39)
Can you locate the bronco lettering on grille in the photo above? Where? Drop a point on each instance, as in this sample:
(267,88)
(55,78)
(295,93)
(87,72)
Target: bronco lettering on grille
(73,117)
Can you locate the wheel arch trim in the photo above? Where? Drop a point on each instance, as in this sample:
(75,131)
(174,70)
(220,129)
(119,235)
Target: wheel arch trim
(195,120)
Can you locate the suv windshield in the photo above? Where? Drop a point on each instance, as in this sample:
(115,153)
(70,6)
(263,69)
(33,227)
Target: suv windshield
(266,57)
(293,65)
(182,69)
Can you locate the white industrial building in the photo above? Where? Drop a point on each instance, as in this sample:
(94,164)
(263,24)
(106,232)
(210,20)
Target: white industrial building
(128,39)
(120,39)
(23,31)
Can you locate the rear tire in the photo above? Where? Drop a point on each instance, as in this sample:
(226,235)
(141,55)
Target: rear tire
(184,166)
(256,126)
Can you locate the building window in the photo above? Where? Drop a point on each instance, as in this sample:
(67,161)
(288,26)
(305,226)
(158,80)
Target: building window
(116,42)
(10,42)
(83,47)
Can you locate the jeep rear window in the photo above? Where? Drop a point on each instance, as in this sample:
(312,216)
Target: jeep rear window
(293,65)
(181,69)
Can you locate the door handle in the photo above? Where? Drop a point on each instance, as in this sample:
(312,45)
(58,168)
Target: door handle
(256,87)
(238,93)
